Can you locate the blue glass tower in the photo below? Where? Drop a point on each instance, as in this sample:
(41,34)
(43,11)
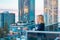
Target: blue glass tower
(20,8)
(32,10)
(6,18)
(26,10)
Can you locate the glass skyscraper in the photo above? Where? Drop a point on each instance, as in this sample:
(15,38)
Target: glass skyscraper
(6,18)
(26,10)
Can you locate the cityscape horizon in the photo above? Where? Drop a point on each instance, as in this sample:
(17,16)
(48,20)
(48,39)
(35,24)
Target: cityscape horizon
(29,19)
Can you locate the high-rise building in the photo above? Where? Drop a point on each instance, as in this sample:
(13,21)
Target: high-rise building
(26,10)
(51,12)
(6,18)
(32,10)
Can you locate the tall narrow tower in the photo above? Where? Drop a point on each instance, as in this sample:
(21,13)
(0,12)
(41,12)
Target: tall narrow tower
(51,13)
(26,10)
(20,9)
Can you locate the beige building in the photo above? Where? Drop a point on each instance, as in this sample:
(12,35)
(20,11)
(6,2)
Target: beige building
(51,12)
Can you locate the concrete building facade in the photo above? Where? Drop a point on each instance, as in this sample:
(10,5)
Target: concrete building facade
(51,12)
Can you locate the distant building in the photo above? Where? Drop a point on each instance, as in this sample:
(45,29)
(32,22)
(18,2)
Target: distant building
(51,13)
(14,27)
(26,10)
(17,27)
(6,18)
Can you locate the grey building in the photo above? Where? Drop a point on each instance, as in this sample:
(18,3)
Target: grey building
(6,18)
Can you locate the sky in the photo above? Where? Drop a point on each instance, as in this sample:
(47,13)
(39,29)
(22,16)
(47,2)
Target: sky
(59,11)
(9,4)
(13,4)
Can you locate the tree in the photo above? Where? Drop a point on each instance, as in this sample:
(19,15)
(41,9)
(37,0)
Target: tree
(5,29)
(1,32)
